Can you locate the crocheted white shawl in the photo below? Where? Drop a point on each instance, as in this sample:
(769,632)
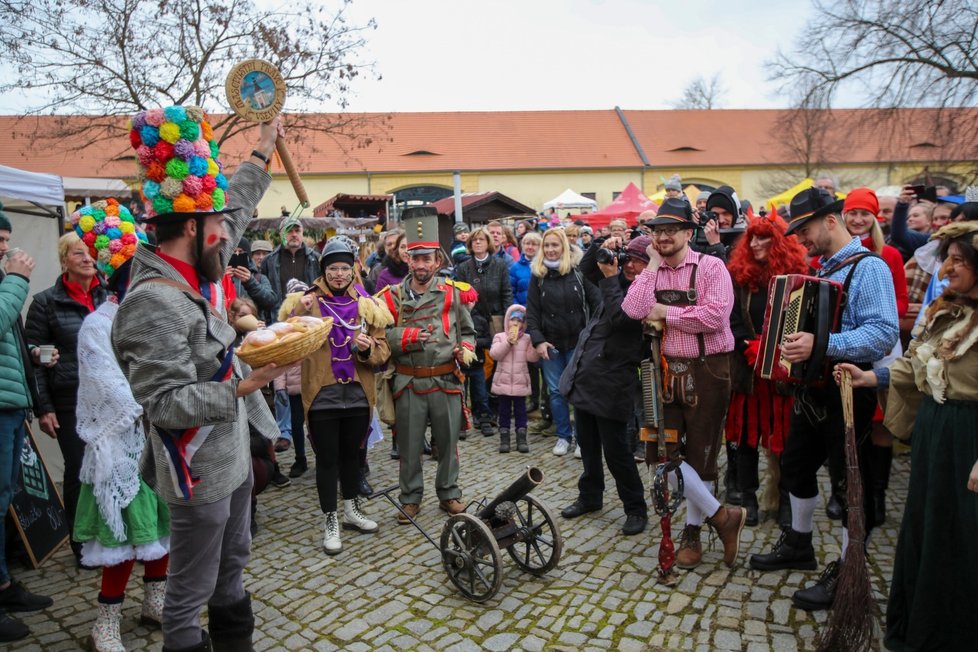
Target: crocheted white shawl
(108,421)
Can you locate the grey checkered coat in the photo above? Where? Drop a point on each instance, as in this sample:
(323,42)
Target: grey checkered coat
(169,346)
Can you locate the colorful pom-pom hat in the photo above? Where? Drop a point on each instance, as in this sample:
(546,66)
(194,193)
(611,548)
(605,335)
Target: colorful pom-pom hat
(178,164)
(110,231)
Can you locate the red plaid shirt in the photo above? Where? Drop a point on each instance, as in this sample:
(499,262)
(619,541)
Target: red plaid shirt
(709,316)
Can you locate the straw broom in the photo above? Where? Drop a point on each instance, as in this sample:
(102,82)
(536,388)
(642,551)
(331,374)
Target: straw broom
(851,624)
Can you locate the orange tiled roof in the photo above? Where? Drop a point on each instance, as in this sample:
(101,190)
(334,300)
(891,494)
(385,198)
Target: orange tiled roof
(529,140)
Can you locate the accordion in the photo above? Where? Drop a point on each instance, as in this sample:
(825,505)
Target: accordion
(653,413)
(798,303)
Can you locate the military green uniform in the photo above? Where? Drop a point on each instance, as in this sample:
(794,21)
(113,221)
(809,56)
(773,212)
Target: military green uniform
(426,386)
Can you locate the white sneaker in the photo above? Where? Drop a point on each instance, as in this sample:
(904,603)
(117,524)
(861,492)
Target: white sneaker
(577,451)
(331,534)
(561,447)
(353,518)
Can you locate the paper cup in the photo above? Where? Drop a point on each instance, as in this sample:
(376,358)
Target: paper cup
(47,352)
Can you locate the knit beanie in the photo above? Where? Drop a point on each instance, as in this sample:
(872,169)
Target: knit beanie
(674,183)
(726,198)
(702,196)
(4,222)
(245,245)
(638,248)
(862,198)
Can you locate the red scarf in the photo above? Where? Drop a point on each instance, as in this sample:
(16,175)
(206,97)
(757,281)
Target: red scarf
(79,294)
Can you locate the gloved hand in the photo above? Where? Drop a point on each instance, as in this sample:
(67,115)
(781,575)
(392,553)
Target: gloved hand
(753,346)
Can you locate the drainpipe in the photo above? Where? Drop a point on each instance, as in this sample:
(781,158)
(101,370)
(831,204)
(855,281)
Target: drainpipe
(635,143)
(457,179)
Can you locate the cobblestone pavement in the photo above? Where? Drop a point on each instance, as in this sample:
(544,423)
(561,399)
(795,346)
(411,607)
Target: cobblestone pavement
(388,591)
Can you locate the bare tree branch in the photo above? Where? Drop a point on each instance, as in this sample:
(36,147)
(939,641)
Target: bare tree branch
(114,58)
(702,94)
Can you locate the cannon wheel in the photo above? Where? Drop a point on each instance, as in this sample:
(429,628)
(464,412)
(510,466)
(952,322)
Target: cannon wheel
(471,557)
(540,552)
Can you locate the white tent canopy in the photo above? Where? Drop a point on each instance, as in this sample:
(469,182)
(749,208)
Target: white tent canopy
(91,188)
(570,200)
(34,203)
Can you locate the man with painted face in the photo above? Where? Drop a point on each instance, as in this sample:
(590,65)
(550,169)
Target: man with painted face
(601,381)
(431,337)
(174,345)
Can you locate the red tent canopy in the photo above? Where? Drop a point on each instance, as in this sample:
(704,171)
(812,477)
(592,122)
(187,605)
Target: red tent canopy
(631,203)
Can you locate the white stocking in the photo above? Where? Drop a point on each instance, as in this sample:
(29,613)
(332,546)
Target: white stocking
(693,514)
(802,513)
(698,496)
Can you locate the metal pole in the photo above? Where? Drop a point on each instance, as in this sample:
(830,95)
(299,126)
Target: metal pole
(457,178)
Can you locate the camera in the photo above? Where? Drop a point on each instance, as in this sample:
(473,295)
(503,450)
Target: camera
(706,216)
(609,256)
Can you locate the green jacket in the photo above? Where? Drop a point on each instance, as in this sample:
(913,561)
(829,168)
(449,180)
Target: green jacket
(429,312)
(13,383)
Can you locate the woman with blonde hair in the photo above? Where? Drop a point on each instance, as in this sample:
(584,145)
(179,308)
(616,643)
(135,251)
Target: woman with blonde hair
(55,317)
(559,304)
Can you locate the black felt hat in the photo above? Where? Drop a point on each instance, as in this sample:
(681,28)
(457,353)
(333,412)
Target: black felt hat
(811,204)
(673,212)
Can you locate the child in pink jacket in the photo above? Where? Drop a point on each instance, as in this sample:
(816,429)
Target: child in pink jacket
(512,350)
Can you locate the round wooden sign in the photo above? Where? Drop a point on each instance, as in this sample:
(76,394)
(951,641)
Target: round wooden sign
(255,90)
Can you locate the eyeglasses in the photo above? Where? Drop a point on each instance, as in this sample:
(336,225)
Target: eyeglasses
(339,270)
(668,231)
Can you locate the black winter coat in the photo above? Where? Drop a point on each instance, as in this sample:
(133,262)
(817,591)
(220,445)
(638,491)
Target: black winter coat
(555,307)
(55,318)
(602,377)
(493,286)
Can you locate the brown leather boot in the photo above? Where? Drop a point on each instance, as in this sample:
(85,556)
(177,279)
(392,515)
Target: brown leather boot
(729,523)
(690,552)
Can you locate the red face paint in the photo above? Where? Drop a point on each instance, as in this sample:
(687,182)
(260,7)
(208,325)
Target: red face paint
(211,239)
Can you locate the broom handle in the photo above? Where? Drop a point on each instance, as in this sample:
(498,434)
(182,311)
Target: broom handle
(290,169)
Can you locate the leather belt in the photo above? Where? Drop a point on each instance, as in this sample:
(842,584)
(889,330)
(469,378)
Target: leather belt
(426,372)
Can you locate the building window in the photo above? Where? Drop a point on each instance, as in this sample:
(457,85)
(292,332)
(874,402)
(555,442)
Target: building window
(614,195)
(590,195)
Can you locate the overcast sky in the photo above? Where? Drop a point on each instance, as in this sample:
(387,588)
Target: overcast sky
(497,55)
(467,55)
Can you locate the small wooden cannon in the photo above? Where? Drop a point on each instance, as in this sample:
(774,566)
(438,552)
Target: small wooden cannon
(514,521)
(470,544)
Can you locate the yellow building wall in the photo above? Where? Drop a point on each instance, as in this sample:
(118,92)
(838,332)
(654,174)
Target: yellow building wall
(319,189)
(656,177)
(536,188)
(533,188)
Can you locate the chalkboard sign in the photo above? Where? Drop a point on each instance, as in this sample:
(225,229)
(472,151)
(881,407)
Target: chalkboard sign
(36,507)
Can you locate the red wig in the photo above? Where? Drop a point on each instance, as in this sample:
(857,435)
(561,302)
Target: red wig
(785,256)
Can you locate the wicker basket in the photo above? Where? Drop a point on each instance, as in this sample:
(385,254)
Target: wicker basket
(285,353)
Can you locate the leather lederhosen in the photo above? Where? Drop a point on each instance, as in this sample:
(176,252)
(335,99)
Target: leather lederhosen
(695,395)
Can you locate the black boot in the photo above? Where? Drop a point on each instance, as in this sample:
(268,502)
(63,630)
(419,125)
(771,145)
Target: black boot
(203,646)
(504,440)
(521,444)
(793,550)
(750,504)
(485,425)
(881,459)
(364,488)
(784,509)
(833,509)
(734,496)
(820,595)
(231,626)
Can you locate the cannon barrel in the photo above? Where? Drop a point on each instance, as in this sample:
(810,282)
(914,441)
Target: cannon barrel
(523,485)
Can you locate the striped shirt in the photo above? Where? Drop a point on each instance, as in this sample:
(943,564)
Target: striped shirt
(870,326)
(709,316)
